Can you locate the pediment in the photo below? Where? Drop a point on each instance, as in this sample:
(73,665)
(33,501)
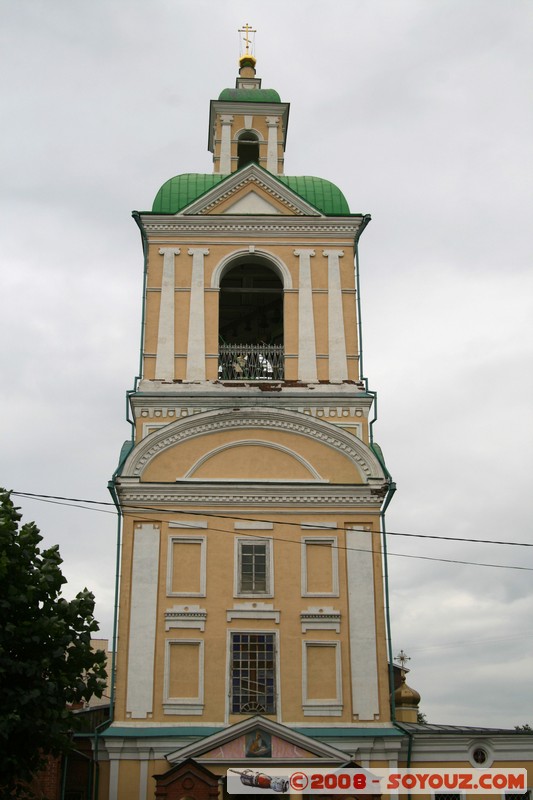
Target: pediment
(251,190)
(253,446)
(251,202)
(256,740)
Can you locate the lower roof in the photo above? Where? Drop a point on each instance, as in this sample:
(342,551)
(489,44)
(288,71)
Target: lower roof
(181,190)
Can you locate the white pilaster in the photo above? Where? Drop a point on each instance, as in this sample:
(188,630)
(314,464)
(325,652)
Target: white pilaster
(225,144)
(143,776)
(362,624)
(272,145)
(143,613)
(338,365)
(306,320)
(196,343)
(164,363)
(113,779)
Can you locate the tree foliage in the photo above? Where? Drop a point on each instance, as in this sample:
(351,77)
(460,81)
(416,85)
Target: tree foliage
(46,661)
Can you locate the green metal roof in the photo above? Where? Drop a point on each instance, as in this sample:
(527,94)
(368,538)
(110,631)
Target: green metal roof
(250,96)
(190,731)
(322,194)
(181,190)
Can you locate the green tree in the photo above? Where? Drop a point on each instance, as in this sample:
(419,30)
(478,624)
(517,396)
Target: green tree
(525,728)
(46,661)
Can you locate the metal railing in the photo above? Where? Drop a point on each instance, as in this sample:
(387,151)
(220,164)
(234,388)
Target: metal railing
(250,362)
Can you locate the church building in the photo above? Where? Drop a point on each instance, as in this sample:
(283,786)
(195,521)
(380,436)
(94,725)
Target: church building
(252,619)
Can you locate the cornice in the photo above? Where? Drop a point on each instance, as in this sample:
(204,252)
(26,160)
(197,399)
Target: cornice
(161,409)
(207,495)
(246,225)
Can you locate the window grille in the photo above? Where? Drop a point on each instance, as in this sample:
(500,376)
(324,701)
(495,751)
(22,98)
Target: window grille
(253,673)
(251,362)
(253,567)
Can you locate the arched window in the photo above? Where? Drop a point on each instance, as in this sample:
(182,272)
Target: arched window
(251,322)
(247,149)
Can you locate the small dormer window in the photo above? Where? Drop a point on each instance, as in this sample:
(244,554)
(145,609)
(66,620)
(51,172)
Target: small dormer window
(247,149)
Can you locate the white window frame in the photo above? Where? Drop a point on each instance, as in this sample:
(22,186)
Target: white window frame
(277,676)
(202,541)
(322,707)
(183,705)
(268,541)
(333,542)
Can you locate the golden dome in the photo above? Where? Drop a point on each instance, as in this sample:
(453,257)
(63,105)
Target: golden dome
(405,697)
(247,60)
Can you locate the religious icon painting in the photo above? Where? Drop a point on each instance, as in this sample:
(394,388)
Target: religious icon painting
(258,745)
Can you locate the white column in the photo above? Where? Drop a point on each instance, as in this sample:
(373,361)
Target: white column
(164,362)
(143,619)
(306,320)
(272,145)
(364,671)
(196,342)
(338,365)
(225,144)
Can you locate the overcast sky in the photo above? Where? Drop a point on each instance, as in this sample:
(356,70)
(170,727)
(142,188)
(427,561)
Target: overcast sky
(420,111)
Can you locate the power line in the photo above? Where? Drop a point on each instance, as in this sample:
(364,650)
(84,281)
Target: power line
(71,502)
(74,502)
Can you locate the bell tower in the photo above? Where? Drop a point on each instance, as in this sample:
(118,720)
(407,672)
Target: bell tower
(251,602)
(248,124)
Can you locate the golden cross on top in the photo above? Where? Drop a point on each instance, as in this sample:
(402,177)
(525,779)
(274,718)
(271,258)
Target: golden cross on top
(246,29)
(402,658)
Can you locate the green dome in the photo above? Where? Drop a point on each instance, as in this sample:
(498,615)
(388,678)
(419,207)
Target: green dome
(320,193)
(249,96)
(181,190)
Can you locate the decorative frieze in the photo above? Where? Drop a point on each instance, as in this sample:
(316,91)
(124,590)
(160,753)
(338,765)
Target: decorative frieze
(171,412)
(324,618)
(336,412)
(185,617)
(362,496)
(253,611)
(250,226)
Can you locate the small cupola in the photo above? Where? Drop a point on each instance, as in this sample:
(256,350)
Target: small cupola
(248,123)
(406,701)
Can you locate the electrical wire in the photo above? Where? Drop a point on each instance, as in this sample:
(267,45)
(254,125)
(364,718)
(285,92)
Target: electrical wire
(72,502)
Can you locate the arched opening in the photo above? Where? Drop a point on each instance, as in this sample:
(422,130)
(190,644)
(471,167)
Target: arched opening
(251,322)
(247,149)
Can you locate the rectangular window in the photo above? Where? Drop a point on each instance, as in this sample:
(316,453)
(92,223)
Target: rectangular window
(186,566)
(252,673)
(254,567)
(184,676)
(320,570)
(322,679)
